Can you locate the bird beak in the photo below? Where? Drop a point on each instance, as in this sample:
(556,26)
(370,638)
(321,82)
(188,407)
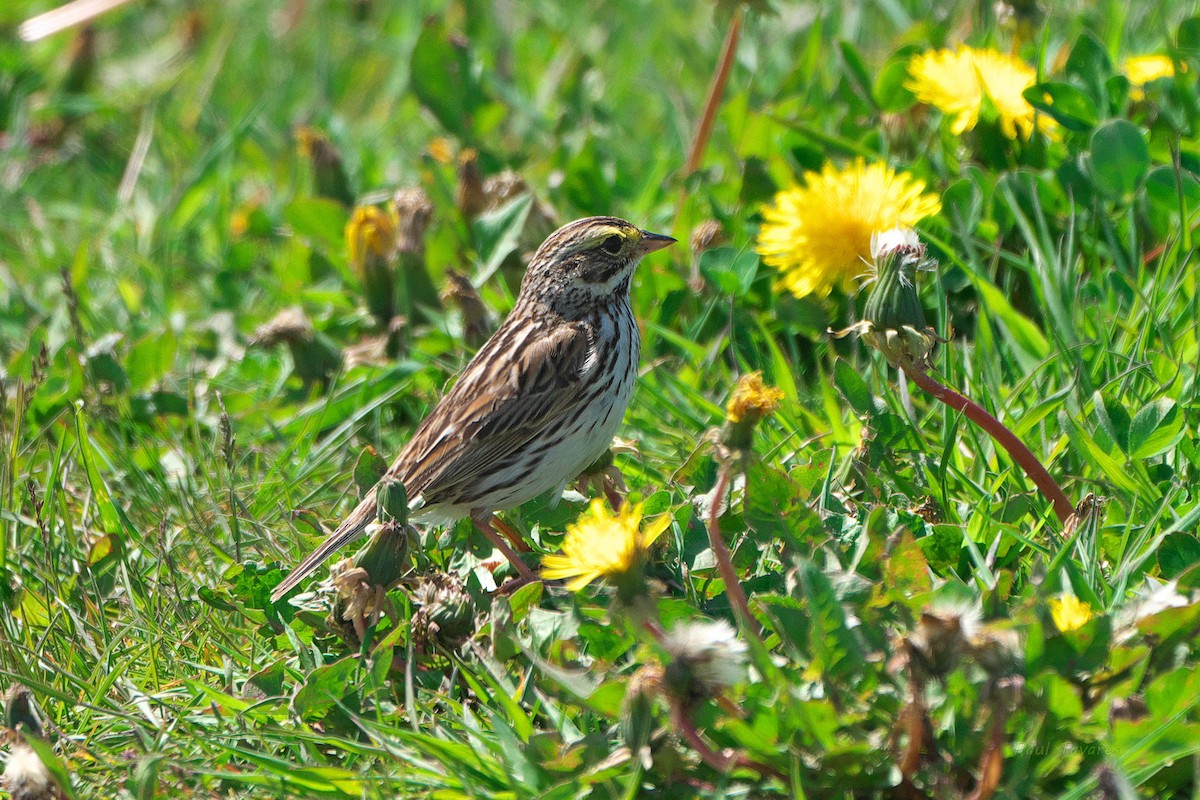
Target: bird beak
(653,241)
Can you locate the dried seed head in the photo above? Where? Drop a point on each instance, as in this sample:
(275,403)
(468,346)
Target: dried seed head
(707,657)
(705,236)
(413,213)
(446,613)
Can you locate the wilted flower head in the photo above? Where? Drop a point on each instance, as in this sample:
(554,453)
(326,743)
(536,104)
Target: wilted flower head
(752,399)
(601,544)
(26,776)
(1144,69)
(957,81)
(445,613)
(1069,613)
(314,357)
(944,632)
(819,234)
(707,657)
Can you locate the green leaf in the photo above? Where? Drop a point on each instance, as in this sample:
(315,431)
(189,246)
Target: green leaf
(1178,553)
(498,234)
(1113,419)
(731,271)
(852,387)
(150,359)
(324,687)
(442,78)
(1104,464)
(890,93)
(1155,429)
(1090,65)
(111,515)
(1187,40)
(319,220)
(1119,159)
(1069,107)
(860,76)
(1023,331)
(369,469)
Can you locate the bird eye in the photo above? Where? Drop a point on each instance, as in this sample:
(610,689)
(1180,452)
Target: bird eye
(611,245)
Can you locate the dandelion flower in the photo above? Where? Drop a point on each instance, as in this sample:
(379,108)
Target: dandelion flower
(706,658)
(752,399)
(819,234)
(1069,612)
(1143,69)
(370,236)
(956,82)
(604,545)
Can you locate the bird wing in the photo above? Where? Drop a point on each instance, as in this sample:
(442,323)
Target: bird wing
(509,393)
(521,379)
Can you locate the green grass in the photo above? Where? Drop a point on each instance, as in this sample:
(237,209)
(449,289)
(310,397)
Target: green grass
(159,472)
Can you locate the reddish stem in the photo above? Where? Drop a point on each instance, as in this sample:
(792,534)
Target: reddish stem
(1021,454)
(715,91)
(733,585)
(721,762)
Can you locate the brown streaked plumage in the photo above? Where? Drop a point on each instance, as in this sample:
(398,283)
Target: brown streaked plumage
(538,403)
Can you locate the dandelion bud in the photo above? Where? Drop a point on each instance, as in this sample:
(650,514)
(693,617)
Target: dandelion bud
(894,320)
(944,633)
(371,245)
(477,320)
(314,357)
(446,613)
(751,401)
(705,236)
(19,712)
(469,195)
(393,501)
(706,659)
(413,213)
(637,712)
(385,557)
(329,173)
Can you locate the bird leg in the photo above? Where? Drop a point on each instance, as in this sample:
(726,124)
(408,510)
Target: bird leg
(513,537)
(484,520)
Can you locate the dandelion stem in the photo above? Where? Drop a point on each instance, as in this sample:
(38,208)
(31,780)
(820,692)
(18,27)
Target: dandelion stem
(733,585)
(715,91)
(1021,454)
(721,762)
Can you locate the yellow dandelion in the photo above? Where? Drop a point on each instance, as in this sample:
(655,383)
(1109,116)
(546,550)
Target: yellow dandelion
(1069,612)
(370,234)
(752,399)
(956,82)
(819,234)
(1143,69)
(441,150)
(603,545)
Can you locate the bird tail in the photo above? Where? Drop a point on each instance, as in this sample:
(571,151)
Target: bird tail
(351,528)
